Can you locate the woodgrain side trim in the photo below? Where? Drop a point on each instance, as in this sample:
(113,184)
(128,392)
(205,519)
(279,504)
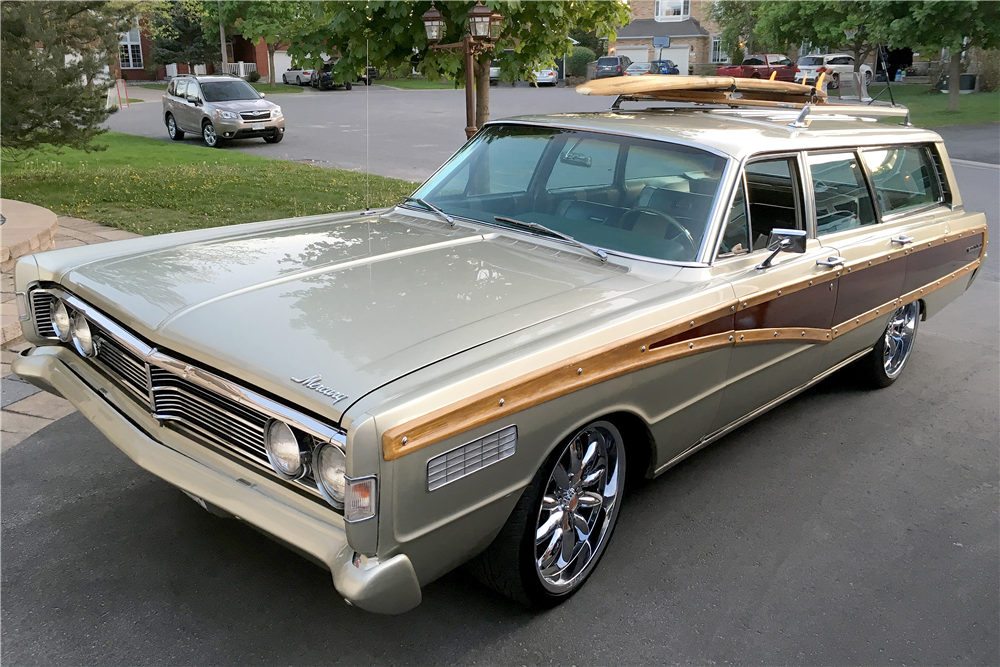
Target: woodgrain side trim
(648,348)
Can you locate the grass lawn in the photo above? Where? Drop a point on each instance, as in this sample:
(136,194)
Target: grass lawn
(265,88)
(150,186)
(929,109)
(418,84)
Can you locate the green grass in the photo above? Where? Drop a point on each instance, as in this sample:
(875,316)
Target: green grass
(259,87)
(418,84)
(149,186)
(929,109)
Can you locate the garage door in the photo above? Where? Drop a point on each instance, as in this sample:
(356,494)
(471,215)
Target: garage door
(282,63)
(634,54)
(678,54)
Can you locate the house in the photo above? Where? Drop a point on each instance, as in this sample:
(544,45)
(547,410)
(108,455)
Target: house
(242,55)
(677,30)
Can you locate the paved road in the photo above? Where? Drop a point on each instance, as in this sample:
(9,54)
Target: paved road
(845,527)
(977,143)
(411,132)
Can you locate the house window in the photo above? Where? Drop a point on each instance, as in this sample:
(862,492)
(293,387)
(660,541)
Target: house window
(672,10)
(130,49)
(718,55)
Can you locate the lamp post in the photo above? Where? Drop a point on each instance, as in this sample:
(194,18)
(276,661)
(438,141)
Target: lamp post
(484,31)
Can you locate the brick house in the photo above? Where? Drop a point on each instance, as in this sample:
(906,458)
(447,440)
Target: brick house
(243,56)
(677,30)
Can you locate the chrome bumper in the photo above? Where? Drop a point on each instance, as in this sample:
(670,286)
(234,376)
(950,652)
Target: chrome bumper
(388,587)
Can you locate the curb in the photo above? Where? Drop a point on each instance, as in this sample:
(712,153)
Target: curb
(39,234)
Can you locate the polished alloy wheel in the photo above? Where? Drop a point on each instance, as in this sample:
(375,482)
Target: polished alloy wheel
(899,336)
(579,506)
(208,132)
(171,127)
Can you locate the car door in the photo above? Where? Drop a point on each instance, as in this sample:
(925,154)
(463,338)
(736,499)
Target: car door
(882,211)
(193,106)
(783,312)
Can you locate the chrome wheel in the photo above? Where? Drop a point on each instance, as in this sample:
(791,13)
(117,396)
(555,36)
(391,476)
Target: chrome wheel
(899,336)
(208,133)
(579,506)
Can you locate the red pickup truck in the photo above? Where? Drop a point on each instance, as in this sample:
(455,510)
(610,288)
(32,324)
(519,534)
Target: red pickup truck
(760,66)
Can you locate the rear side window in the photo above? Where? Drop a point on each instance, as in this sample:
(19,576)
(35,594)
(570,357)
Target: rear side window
(753,61)
(904,178)
(842,199)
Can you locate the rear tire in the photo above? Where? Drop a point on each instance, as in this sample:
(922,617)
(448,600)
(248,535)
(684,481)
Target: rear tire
(562,523)
(298,80)
(835,81)
(888,357)
(347,86)
(175,132)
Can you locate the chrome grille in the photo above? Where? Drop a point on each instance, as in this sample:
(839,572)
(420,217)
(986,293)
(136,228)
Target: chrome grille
(221,419)
(467,459)
(252,115)
(127,368)
(41,304)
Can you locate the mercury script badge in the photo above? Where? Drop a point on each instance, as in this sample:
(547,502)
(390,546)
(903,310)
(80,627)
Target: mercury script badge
(313,382)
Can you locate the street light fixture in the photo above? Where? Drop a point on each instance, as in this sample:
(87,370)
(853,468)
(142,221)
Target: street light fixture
(484,31)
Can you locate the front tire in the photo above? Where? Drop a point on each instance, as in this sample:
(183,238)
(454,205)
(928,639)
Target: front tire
(209,136)
(175,132)
(347,86)
(275,138)
(562,523)
(888,357)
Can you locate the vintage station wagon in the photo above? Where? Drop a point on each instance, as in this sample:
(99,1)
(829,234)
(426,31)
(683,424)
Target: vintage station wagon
(469,375)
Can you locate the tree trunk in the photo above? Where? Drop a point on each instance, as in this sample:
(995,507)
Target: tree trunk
(482,73)
(271,48)
(954,77)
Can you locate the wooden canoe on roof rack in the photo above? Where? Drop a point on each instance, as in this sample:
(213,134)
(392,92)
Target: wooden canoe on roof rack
(707,90)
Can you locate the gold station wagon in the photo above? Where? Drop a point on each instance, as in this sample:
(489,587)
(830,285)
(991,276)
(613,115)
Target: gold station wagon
(469,375)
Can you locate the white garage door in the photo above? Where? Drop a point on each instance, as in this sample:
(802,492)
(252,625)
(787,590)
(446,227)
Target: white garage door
(282,63)
(634,54)
(678,54)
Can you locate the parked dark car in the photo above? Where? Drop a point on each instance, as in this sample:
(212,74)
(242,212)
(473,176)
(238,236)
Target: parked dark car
(612,66)
(368,75)
(663,67)
(323,78)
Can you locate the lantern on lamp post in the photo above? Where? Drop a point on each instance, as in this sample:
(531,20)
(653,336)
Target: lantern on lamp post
(483,32)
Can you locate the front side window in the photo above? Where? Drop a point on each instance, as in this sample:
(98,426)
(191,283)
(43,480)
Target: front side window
(222,91)
(842,199)
(622,194)
(180,88)
(773,198)
(904,178)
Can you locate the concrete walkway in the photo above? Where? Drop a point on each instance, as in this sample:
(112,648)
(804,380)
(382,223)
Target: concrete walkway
(25,408)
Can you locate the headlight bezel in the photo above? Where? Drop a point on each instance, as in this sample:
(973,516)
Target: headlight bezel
(330,495)
(82,336)
(58,310)
(304,452)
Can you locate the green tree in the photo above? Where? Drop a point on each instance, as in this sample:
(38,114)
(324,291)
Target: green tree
(935,25)
(738,22)
(178,36)
(54,70)
(274,21)
(392,33)
(822,23)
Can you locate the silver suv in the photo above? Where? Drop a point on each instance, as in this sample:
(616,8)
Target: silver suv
(218,108)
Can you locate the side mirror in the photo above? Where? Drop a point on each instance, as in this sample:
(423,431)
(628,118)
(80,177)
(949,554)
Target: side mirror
(194,100)
(262,96)
(783,240)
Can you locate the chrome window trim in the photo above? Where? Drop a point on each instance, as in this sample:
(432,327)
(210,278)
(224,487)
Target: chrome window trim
(201,377)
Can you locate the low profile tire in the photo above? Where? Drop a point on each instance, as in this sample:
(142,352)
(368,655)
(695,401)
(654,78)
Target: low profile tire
(275,138)
(889,355)
(209,136)
(175,132)
(562,523)
(298,80)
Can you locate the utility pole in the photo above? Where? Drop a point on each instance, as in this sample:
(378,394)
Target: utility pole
(222,39)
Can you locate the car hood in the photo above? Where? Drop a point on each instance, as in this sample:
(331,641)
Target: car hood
(358,303)
(244,105)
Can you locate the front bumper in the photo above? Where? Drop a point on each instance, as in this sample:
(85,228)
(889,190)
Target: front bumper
(388,587)
(243,129)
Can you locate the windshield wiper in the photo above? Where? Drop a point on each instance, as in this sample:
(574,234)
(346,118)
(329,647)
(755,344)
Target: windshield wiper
(566,237)
(432,207)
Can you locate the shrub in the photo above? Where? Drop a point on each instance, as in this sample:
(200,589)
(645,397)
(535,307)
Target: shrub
(253,77)
(989,70)
(576,64)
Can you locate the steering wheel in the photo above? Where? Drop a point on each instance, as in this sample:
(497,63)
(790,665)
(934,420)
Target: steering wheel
(633,214)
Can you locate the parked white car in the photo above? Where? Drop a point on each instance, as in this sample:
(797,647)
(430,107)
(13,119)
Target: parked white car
(835,64)
(547,75)
(298,77)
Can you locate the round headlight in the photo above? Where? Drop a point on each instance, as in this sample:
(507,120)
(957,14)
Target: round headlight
(61,321)
(83,341)
(283,450)
(329,471)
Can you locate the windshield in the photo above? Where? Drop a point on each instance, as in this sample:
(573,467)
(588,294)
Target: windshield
(223,91)
(622,194)
(811,61)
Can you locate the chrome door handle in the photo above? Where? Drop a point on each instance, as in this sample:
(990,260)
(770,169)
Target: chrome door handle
(902,239)
(831,261)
